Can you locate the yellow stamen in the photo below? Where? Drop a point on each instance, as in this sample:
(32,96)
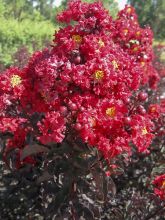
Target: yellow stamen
(129,10)
(143,63)
(111,112)
(125,31)
(77,38)
(15,80)
(115,64)
(99,74)
(135,49)
(101,43)
(163,184)
(144,131)
(153,109)
(138,33)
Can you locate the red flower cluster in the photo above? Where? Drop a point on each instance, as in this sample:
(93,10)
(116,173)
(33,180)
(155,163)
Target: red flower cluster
(52,128)
(86,86)
(159,181)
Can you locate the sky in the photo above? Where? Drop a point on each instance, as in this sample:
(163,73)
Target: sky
(120,2)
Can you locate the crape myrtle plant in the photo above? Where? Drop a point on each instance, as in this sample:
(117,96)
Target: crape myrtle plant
(82,124)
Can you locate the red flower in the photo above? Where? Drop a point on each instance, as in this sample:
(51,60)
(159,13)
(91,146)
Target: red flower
(154,111)
(52,128)
(141,128)
(10,124)
(159,181)
(12,82)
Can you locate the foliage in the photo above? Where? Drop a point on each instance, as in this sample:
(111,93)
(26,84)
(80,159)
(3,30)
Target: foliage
(30,33)
(151,13)
(82,123)
(21,26)
(61,188)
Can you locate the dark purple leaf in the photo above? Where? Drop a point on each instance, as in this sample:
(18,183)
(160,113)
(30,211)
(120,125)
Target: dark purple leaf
(33,149)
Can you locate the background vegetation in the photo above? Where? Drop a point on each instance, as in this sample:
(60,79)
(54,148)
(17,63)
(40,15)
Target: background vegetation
(23,22)
(151,12)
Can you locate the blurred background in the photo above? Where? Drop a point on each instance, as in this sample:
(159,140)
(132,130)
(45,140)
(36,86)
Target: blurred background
(29,25)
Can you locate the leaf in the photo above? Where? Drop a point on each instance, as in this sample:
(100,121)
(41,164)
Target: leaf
(45,177)
(88,213)
(32,149)
(80,164)
(159,169)
(117,213)
(61,197)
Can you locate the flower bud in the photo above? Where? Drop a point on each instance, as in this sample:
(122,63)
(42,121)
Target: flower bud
(72,106)
(77,60)
(127,100)
(78,126)
(141,110)
(63,110)
(142,96)
(82,108)
(127,120)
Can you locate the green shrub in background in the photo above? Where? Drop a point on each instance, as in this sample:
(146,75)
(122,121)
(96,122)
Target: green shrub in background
(18,29)
(13,34)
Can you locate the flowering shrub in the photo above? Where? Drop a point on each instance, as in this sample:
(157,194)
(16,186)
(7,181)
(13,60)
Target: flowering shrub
(81,109)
